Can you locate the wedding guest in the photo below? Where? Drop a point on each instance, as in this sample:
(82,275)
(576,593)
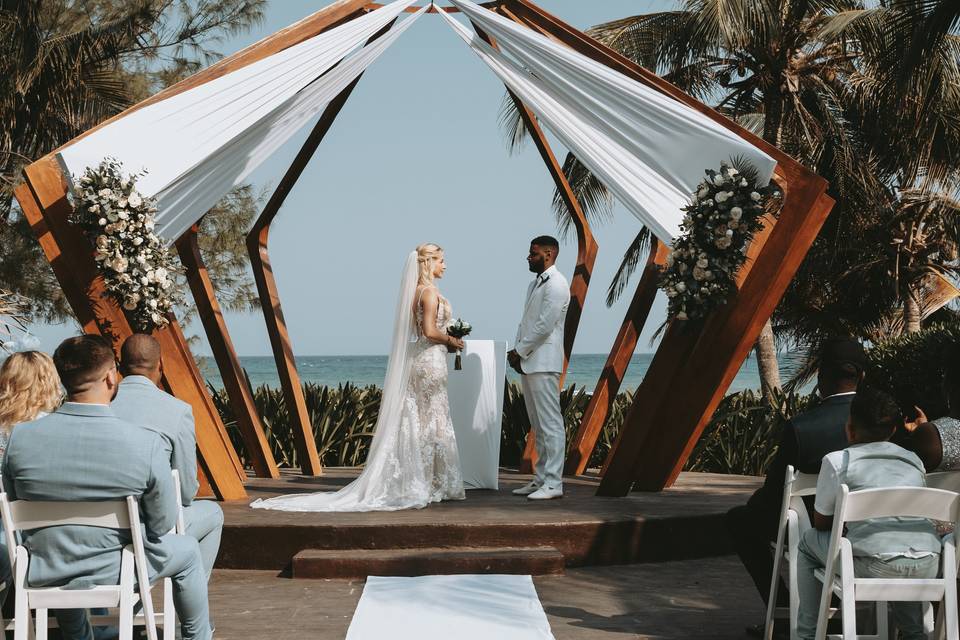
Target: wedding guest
(937,442)
(29,389)
(882,547)
(140,401)
(805,439)
(83,452)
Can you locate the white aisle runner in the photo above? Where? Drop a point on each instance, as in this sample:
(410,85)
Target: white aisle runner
(467,607)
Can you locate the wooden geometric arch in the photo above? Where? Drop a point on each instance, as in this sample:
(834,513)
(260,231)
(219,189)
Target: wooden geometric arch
(687,378)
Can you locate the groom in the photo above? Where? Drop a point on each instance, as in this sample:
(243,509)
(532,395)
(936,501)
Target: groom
(538,356)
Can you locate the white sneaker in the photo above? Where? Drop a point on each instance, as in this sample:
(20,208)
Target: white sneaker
(526,489)
(546,493)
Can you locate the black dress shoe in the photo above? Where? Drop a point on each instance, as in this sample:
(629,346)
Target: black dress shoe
(756,631)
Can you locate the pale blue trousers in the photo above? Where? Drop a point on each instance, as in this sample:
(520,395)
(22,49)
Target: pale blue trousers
(813,547)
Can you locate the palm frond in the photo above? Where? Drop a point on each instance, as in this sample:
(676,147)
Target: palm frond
(631,258)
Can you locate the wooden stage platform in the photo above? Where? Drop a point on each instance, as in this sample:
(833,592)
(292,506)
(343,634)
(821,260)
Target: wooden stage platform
(490,531)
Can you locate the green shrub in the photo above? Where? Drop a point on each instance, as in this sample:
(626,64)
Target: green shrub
(911,366)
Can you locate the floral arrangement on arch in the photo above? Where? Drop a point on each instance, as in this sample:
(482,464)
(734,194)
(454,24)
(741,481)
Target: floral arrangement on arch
(138,270)
(720,221)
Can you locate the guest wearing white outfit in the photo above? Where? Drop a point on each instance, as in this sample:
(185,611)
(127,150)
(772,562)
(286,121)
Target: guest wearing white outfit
(538,356)
(140,401)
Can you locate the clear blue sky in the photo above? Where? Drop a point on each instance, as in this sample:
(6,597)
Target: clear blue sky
(417,155)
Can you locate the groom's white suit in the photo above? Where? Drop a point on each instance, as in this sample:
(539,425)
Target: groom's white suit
(540,346)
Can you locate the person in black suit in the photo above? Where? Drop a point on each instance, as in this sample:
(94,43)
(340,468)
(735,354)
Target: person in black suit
(805,439)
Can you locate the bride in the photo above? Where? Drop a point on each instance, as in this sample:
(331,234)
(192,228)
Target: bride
(413,457)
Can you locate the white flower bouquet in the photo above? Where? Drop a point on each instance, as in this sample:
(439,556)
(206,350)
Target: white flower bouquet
(720,221)
(137,269)
(459,329)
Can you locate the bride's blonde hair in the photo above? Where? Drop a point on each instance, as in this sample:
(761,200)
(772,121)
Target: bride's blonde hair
(427,254)
(29,384)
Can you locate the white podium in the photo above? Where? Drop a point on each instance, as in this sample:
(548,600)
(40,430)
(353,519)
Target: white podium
(476,407)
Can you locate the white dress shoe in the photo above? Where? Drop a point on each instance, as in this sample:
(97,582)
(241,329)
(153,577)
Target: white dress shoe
(526,489)
(546,493)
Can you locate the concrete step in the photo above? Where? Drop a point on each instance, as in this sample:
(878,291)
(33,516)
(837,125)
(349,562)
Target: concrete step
(360,563)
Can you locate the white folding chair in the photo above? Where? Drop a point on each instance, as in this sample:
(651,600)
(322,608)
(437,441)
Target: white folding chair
(133,587)
(946,480)
(916,502)
(794,520)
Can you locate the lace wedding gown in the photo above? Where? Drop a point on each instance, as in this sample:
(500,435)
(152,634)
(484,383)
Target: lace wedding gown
(413,460)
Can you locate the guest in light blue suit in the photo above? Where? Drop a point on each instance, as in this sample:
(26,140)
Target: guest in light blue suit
(83,452)
(140,401)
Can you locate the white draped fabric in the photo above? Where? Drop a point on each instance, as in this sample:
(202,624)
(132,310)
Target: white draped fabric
(648,149)
(199,144)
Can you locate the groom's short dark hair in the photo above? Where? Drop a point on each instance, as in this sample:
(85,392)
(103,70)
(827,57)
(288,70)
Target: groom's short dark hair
(546,241)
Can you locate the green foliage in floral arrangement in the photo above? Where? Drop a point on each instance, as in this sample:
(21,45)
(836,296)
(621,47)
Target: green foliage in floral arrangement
(137,269)
(724,214)
(910,367)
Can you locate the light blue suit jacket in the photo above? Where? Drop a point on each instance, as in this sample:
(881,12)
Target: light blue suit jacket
(140,402)
(83,452)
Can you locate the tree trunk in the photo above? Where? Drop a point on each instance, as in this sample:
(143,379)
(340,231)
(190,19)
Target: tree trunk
(911,313)
(769,367)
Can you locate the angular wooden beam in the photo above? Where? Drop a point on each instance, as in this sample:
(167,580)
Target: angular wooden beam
(677,432)
(231,372)
(587,247)
(601,402)
(43,199)
(257,245)
(660,432)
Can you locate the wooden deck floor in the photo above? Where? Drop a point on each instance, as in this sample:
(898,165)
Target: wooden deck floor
(681,522)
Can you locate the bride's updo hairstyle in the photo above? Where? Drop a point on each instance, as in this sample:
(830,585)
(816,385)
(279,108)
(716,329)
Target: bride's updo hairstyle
(427,254)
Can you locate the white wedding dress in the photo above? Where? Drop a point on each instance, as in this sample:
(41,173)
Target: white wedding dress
(413,458)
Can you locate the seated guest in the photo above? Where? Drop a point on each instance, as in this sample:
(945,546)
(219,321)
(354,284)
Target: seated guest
(83,452)
(29,389)
(805,439)
(882,547)
(140,401)
(938,442)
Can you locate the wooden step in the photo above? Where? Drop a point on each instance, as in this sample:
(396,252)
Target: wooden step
(360,563)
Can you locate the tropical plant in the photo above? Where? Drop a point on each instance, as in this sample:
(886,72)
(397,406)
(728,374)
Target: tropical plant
(831,84)
(67,66)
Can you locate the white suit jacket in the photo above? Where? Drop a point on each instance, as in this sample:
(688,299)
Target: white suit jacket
(540,335)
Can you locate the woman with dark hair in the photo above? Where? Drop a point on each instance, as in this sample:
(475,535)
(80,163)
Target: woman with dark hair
(937,442)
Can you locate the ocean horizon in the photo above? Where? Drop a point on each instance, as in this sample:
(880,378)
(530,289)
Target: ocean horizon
(584,370)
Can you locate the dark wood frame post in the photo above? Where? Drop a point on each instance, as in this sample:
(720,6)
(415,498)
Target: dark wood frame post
(257,246)
(601,402)
(705,374)
(231,372)
(43,199)
(587,247)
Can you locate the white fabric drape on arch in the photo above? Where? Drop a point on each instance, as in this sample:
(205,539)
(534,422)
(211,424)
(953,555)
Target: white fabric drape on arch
(649,150)
(199,144)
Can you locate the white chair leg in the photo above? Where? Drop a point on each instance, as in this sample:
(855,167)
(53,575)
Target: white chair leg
(169,612)
(127,598)
(883,623)
(42,615)
(948,611)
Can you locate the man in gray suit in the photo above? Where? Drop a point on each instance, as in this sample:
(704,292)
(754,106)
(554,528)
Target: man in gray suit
(83,452)
(140,401)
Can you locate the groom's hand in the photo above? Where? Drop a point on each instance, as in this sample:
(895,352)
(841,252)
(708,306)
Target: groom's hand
(513,359)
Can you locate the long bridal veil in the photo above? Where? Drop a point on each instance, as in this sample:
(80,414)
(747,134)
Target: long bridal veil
(392,477)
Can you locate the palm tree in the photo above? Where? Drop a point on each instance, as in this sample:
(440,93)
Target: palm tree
(805,76)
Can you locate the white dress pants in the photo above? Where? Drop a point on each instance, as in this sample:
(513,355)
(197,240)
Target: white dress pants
(541,394)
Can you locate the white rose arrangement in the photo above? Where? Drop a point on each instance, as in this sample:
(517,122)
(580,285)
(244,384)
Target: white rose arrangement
(137,269)
(724,214)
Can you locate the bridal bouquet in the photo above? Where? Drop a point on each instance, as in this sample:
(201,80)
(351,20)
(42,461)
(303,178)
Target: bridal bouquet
(720,221)
(459,329)
(137,269)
